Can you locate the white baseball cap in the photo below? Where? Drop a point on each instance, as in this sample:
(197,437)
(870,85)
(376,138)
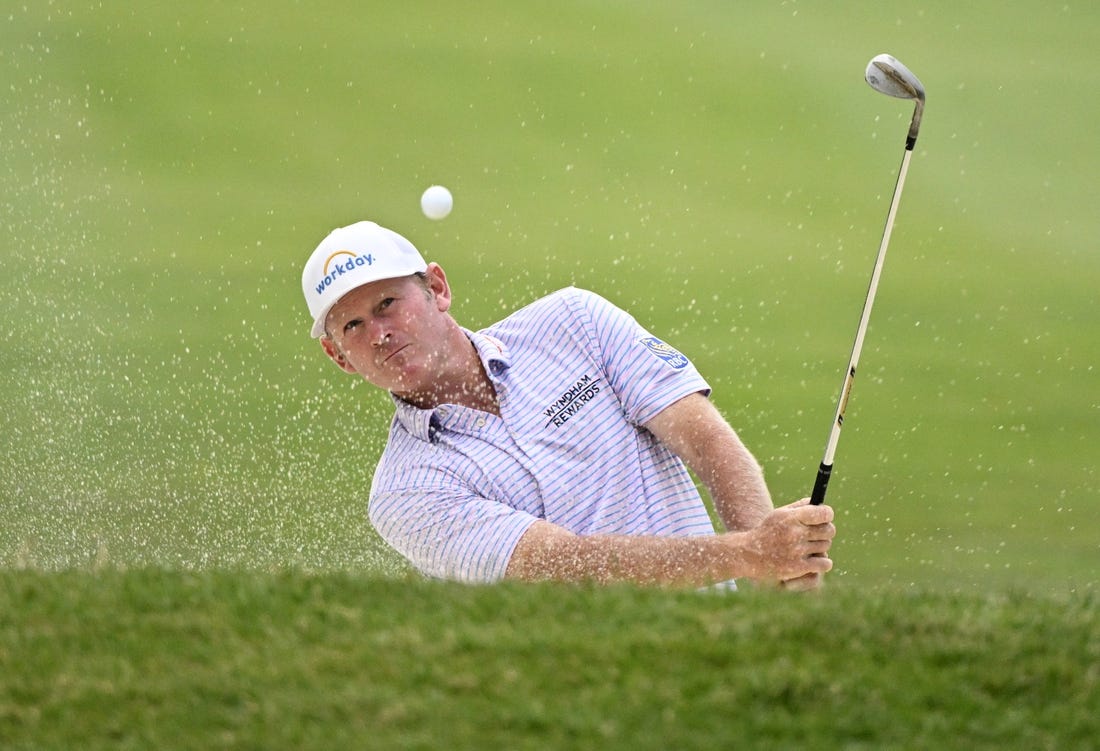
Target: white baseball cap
(350,257)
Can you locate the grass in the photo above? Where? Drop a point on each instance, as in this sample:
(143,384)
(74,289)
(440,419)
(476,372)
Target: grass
(184,551)
(214,659)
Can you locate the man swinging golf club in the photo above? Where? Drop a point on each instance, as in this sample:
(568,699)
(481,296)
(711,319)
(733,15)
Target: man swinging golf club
(551,445)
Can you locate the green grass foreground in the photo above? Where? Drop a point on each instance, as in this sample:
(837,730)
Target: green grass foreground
(217,659)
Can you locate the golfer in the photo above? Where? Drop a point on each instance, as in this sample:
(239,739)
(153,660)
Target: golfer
(551,445)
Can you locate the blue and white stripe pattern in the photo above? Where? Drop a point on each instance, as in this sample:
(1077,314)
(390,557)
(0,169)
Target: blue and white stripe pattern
(576,377)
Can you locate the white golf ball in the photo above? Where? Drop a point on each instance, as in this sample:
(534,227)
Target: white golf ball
(436,202)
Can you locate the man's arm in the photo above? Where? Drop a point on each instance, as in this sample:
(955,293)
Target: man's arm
(791,542)
(694,430)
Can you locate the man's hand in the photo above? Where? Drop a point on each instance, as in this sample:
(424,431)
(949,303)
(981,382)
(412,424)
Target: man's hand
(791,545)
(807,583)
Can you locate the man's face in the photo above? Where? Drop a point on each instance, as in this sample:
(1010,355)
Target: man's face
(392,332)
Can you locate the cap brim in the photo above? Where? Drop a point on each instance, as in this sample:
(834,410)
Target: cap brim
(319,325)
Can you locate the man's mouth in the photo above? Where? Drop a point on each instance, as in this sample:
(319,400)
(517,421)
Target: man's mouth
(395,352)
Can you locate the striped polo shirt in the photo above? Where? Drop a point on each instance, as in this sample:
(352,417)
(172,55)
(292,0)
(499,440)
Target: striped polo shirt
(576,377)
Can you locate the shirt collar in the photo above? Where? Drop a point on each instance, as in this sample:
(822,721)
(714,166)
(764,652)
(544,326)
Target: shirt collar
(494,355)
(421,423)
(425,423)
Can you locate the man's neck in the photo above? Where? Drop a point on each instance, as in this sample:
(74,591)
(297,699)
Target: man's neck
(465,383)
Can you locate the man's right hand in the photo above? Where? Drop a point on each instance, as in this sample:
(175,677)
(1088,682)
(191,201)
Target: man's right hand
(791,545)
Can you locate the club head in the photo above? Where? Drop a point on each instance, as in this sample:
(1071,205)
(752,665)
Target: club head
(887,75)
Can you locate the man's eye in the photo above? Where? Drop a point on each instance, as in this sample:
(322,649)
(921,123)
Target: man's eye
(350,325)
(385,303)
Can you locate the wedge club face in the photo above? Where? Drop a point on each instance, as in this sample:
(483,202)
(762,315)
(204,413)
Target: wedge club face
(887,75)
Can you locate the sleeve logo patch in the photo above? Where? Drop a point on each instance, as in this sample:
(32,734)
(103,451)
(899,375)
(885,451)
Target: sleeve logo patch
(674,359)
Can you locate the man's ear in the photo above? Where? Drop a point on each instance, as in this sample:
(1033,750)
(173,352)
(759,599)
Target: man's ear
(439,286)
(336,355)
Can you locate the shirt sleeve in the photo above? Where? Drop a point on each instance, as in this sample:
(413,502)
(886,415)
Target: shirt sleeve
(444,529)
(646,373)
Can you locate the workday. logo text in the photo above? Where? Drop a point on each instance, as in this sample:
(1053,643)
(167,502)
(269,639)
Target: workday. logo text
(340,263)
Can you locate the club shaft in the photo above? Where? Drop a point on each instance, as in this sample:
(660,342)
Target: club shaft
(821,484)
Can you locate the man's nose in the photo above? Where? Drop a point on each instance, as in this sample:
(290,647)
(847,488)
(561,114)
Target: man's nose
(379,333)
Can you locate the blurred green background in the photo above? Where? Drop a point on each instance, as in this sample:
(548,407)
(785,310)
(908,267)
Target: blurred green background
(720,169)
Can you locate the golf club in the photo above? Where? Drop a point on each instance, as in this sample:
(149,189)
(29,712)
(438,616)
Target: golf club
(888,76)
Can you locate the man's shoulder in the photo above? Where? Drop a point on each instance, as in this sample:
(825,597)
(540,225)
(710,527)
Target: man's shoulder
(566,301)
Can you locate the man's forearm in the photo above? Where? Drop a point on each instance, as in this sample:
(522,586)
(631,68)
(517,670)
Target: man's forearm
(736,484)
(789,543)
(549,553)
(698,434)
